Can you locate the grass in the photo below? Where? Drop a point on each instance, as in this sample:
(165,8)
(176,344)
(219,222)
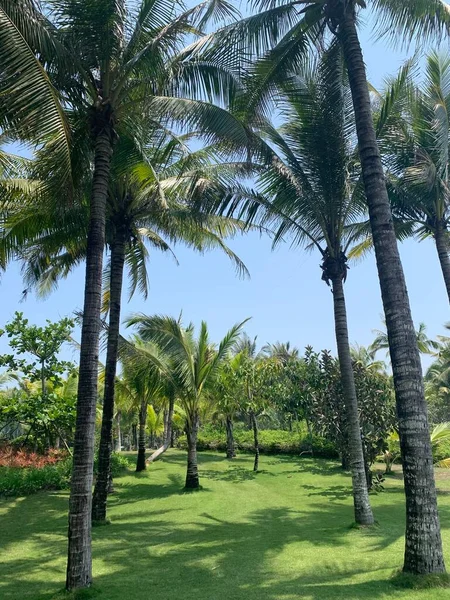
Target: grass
(283,534)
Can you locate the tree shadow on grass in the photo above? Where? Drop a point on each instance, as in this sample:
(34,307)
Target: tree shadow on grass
(192,551)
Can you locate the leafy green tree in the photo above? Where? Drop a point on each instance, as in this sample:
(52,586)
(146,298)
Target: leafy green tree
(43,344)
(195,365)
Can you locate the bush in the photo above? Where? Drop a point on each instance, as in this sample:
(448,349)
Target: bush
(22,481)
(119,463)
(270,442)
(21,477)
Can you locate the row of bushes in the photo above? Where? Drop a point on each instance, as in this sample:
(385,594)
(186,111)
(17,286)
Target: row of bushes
(26,480)
(270,442)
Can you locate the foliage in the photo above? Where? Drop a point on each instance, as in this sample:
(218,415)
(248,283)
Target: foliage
(270,442)
(42,343)
(15,481)
(30,473)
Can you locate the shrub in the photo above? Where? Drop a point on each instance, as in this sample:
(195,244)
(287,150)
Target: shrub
(22,481)
(23,473)
(270,442)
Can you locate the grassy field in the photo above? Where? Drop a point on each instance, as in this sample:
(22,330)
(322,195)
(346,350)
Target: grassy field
(283,534)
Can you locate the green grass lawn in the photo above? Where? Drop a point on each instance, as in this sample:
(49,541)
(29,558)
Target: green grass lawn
(283,534)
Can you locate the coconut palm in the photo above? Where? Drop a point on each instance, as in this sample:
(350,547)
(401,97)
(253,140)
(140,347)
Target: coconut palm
(312,193)
(420,169)
(287,29)
(194,367)
(424,343)
(114,62)
(281,351)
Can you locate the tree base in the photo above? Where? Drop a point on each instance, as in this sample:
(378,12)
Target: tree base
(100,522)
(411,581)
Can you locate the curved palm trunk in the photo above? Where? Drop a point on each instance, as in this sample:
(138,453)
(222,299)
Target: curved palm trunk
(192,480)
(254,423)
(361,502)
(140,464)
(167,433)
(104,478)
(231,453)
(79,561)
(443,248)
(423,550)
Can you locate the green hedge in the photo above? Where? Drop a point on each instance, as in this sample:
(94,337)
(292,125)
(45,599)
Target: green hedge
(270,442)
(25,481)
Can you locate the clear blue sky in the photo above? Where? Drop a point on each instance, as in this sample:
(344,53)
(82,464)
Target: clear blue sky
(285,296)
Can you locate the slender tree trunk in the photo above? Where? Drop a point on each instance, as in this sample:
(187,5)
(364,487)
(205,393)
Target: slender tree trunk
(140,465)
(310,435)
(167,433)
(134,436)
(119,433)
(254,424)
(79,563)
(423,549)
(231,453)
(192,480)
(443,247)
(104,478)
(361,502)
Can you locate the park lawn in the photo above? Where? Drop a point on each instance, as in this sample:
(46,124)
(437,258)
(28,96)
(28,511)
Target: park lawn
(282,534)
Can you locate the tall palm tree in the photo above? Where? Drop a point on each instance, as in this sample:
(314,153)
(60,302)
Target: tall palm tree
(289,26)
(281,351)
(195,365)
(312,192)
(419,174)
(112,63)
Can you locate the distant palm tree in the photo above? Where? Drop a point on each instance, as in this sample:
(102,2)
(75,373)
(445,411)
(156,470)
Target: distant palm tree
(424,343)
(282,351)
(194,364)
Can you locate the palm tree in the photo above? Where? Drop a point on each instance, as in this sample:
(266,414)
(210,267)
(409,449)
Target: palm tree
(114,62)
(312,192)
(280,351)
(195,364)
(424,343)
(419,174)
(287,30)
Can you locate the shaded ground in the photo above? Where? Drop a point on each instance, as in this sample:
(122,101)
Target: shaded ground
(282,534)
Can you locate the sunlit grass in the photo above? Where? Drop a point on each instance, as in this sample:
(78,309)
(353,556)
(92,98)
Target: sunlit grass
(282,534)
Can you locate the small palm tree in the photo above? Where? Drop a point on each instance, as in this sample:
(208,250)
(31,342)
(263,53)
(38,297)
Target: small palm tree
(195,365)
(424,343)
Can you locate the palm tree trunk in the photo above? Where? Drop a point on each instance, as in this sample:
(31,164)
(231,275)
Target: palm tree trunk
(361,502)
(254,423)
(192,480)
(167,433)
(423,549)
(140,465)
(104,478)
(119,433)
(79,562)
(231,453)
(443,247)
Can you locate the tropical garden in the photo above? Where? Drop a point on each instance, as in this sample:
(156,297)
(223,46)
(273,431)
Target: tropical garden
(141,451)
